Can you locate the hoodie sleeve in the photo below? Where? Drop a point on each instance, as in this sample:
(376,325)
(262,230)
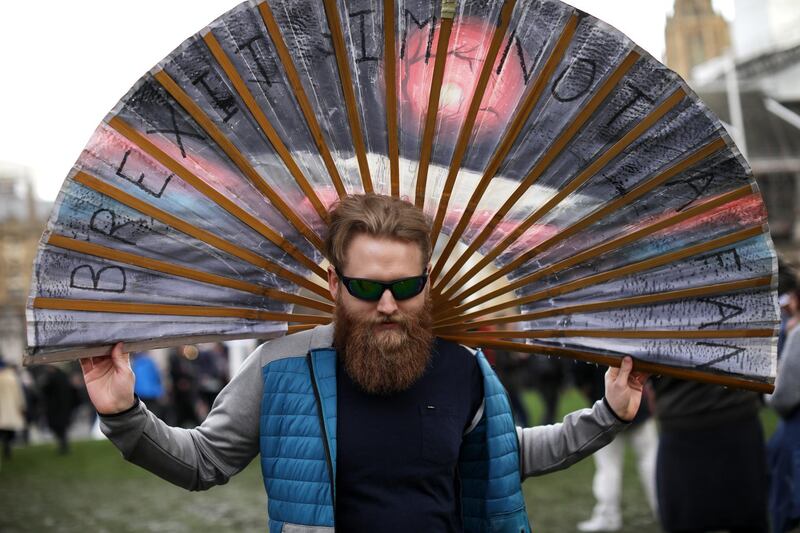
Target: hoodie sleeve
(199,458)
(545,449)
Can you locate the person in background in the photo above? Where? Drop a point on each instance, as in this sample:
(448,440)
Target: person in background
(548,375)
(642,435)
(784,446)
(212,372)
(32,403)
(792,304)
(184,392)
(511,368)
(711,470)
(59,398)
(783,303)
(12,407)
(148,382)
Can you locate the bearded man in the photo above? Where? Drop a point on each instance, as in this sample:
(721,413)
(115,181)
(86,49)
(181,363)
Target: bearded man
(372,423)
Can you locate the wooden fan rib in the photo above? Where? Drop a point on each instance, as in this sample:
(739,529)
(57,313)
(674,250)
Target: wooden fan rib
(234,154)
(41,355)
(275,140)
(201,235)
(140,308)
(507,142)
(119,256)
(636,193)
(582,178)
(633,268)
(442,46)
(300,95)
(390,79)
(638,365)
(472,115)
(620,334)
(613,244)
(297,328)
(618,303)
(630,301)
(346,79)
(210,192)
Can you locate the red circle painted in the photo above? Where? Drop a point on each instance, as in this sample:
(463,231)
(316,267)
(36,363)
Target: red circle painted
(469,42)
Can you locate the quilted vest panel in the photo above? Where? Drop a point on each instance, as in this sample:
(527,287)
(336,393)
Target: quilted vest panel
(491,487)
(293,457)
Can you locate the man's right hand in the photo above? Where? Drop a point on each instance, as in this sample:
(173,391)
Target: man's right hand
(109,381)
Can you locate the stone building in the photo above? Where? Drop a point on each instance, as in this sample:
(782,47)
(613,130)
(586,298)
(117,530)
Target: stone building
(22,220)
(694,34)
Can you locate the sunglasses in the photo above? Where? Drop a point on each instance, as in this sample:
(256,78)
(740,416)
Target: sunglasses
(372,290)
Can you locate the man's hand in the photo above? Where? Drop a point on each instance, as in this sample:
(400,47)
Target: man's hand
(624,389)
(109,381)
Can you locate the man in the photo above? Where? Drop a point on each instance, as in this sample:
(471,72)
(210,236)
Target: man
(711,468)
(642,435)
(371,424)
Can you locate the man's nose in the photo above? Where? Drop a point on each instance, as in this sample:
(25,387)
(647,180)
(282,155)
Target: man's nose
(387,305)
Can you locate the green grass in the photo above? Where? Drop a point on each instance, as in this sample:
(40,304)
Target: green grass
(557,502)
(94,489)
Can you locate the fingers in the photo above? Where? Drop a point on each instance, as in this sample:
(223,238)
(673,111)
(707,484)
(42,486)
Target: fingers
(94,364)
(86,364)
(116,357)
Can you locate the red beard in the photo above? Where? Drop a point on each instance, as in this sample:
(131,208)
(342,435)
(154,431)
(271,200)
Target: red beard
(384,362)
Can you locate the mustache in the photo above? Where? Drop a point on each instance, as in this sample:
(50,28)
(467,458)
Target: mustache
(401,319)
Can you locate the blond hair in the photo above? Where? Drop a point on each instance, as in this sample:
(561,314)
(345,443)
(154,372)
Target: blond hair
(379,216)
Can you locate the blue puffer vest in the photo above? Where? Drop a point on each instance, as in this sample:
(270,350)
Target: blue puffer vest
(298,450)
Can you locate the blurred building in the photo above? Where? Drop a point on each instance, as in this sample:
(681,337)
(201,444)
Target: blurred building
(694,34)
(764,25)
(754,91)
(765,96)
(22,220)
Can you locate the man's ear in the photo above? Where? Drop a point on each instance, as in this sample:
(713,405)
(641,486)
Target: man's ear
(333,282)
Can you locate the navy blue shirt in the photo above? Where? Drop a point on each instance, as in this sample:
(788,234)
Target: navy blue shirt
(397,455)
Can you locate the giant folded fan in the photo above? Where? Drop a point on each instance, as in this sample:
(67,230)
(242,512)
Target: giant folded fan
(585,203)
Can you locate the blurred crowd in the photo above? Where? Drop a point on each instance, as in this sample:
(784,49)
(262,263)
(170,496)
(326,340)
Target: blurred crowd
(701,453)
(700,449)
(49,402)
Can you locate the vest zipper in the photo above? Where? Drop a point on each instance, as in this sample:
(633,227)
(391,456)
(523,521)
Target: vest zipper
(322,427)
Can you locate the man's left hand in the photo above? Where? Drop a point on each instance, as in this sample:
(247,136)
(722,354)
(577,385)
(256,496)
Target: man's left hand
(624,389)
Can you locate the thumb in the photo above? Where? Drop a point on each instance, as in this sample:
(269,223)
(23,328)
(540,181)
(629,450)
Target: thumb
(625,369)
(121,360)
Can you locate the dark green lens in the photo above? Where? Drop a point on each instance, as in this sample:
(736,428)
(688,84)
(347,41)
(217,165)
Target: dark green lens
(366,289)
(406,288)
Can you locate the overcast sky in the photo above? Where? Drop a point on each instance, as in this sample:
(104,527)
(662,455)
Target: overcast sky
(65,64)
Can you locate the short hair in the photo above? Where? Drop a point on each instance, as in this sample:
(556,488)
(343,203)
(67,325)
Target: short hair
(379,216)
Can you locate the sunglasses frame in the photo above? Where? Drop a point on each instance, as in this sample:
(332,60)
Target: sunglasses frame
(385,285)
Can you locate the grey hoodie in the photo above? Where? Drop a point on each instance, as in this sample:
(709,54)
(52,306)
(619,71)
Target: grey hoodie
(228,439)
